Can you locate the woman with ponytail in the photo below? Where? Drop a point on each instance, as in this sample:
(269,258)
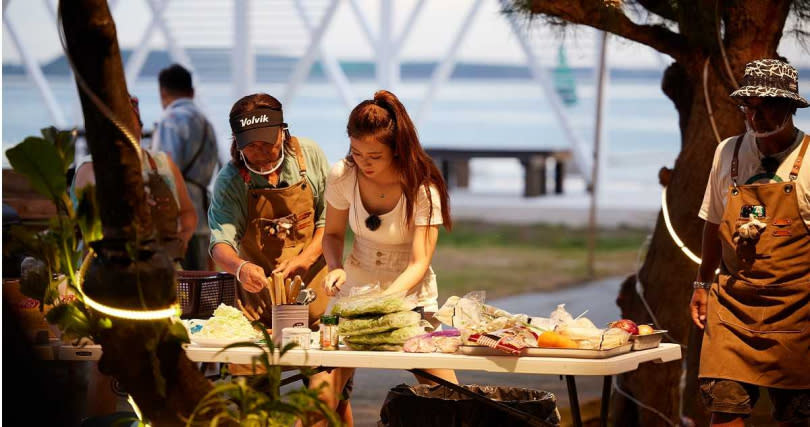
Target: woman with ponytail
(394,199)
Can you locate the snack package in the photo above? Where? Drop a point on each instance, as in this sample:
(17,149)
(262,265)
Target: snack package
(512,340)
(375,324)
(371,300)
(397,336)
(434,342)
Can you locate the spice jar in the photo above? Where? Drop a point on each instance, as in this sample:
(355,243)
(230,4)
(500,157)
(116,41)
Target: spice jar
(300,336)
(329,332)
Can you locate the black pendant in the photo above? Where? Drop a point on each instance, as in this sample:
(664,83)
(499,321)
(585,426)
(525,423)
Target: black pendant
(373,222)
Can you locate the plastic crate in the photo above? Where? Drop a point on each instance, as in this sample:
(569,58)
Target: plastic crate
(201,292)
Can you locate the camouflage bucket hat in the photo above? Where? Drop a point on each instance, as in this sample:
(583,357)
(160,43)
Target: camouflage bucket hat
(770,78)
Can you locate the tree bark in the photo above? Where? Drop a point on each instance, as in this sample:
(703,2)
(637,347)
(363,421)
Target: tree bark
(150,365)
(753,30)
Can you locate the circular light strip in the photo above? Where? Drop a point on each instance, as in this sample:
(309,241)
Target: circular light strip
(137,410)
(689,254)
(671,230)
(164,313)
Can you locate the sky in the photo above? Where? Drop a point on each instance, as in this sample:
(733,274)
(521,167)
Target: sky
(277,29)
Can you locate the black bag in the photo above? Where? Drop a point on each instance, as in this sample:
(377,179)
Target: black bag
(425,405)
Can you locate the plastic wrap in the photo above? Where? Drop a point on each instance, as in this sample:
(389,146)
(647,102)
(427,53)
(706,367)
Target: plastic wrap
(512,340)
(374,347)
(434,342)
(371,325)
(470,315)
(373,301)
(397,336)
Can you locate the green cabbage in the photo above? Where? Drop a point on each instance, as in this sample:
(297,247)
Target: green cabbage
(374,347)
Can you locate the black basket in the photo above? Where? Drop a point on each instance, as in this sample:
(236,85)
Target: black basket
(201,292)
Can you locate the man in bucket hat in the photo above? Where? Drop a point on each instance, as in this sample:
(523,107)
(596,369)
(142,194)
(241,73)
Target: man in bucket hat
(757,211)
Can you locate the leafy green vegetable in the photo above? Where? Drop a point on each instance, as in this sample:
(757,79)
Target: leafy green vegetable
(371,325)
(397,336)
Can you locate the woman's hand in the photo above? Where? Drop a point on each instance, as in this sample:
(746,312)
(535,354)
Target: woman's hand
(334,280)
(252,278)
(697,307)
(297,265)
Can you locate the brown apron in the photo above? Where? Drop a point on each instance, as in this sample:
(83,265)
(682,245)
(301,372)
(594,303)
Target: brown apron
(758,317)
(164,212)
(281,223)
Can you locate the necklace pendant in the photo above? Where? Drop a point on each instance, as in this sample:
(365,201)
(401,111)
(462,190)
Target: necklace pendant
(382,196)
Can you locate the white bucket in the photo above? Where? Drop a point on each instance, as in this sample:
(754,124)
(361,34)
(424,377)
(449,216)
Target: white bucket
(288,316)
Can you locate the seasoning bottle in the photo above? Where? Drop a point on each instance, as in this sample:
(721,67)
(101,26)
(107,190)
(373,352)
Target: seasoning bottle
(329,332)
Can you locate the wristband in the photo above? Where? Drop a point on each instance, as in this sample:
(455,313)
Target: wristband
(701,285)
(239,270)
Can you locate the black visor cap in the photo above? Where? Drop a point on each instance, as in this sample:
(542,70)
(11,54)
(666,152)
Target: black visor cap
(258,125)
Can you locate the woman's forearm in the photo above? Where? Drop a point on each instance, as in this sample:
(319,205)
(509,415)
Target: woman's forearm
(410,278)
(333,250)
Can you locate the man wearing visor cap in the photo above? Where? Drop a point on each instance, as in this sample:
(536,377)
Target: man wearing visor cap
(756,313)
(267,212)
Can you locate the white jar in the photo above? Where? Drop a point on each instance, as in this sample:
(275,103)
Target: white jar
(301,336)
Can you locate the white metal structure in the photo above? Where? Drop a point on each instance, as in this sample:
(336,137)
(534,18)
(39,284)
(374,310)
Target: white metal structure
(297,30)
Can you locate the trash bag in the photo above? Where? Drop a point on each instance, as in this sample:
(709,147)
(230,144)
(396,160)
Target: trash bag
(438,405)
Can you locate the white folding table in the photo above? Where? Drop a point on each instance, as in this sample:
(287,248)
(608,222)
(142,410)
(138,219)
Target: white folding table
(564,366)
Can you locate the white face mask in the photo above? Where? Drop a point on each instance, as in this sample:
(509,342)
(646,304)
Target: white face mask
(749,128)
(262,172)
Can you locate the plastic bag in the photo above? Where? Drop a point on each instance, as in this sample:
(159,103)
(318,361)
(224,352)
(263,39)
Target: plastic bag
(512,340)
(560,315)
(470,315)
(397,336)
(371,325)
(434,342)
(374,347)
(371,300)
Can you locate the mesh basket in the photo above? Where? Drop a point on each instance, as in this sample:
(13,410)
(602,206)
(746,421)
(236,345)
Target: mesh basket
(201,292)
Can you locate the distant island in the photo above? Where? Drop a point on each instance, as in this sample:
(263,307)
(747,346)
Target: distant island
(215,65)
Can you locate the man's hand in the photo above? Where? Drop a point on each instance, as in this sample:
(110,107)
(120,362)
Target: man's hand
(334,280)
(252,278)
(297,265)
(697,307)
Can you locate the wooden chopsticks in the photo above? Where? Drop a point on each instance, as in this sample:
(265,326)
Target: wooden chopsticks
(284,291)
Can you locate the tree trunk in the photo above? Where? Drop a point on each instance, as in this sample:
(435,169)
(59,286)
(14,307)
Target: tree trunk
(131,271)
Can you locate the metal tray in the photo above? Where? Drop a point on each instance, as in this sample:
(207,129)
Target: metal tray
(575,353)
(644,342)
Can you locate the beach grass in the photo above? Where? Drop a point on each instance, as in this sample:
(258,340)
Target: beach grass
(513,259)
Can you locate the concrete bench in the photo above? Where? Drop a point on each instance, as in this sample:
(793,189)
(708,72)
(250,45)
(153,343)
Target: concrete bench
(454,164)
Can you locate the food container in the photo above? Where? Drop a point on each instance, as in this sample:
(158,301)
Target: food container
(288,316)
(329,332)
(301,336)
(644,342)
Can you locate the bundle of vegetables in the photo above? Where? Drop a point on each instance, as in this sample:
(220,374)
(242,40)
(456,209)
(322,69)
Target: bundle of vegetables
(373,324)
(373,321)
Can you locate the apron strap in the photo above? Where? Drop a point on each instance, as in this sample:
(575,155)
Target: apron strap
(299,156)
(151,160)
(735,161)
(794,173)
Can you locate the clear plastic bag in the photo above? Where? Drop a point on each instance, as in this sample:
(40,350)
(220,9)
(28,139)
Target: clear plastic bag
(370,300)
(375,324)
(434,342)
(397,336)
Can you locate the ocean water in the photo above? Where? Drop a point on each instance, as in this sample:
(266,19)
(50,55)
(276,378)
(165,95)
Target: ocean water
(641,124)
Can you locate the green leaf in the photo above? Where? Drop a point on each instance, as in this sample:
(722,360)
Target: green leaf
(105,323)
(35,279)
(87,214)
(178,332)
(40,162)
(65,143)
(71,320)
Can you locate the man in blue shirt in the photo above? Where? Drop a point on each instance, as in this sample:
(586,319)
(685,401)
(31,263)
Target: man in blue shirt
(189,139)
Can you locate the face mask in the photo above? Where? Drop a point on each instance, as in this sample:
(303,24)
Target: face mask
(749,128)
(267,172)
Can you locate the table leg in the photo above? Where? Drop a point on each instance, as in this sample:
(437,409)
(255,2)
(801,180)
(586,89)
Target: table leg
(606,389)
(573,400)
